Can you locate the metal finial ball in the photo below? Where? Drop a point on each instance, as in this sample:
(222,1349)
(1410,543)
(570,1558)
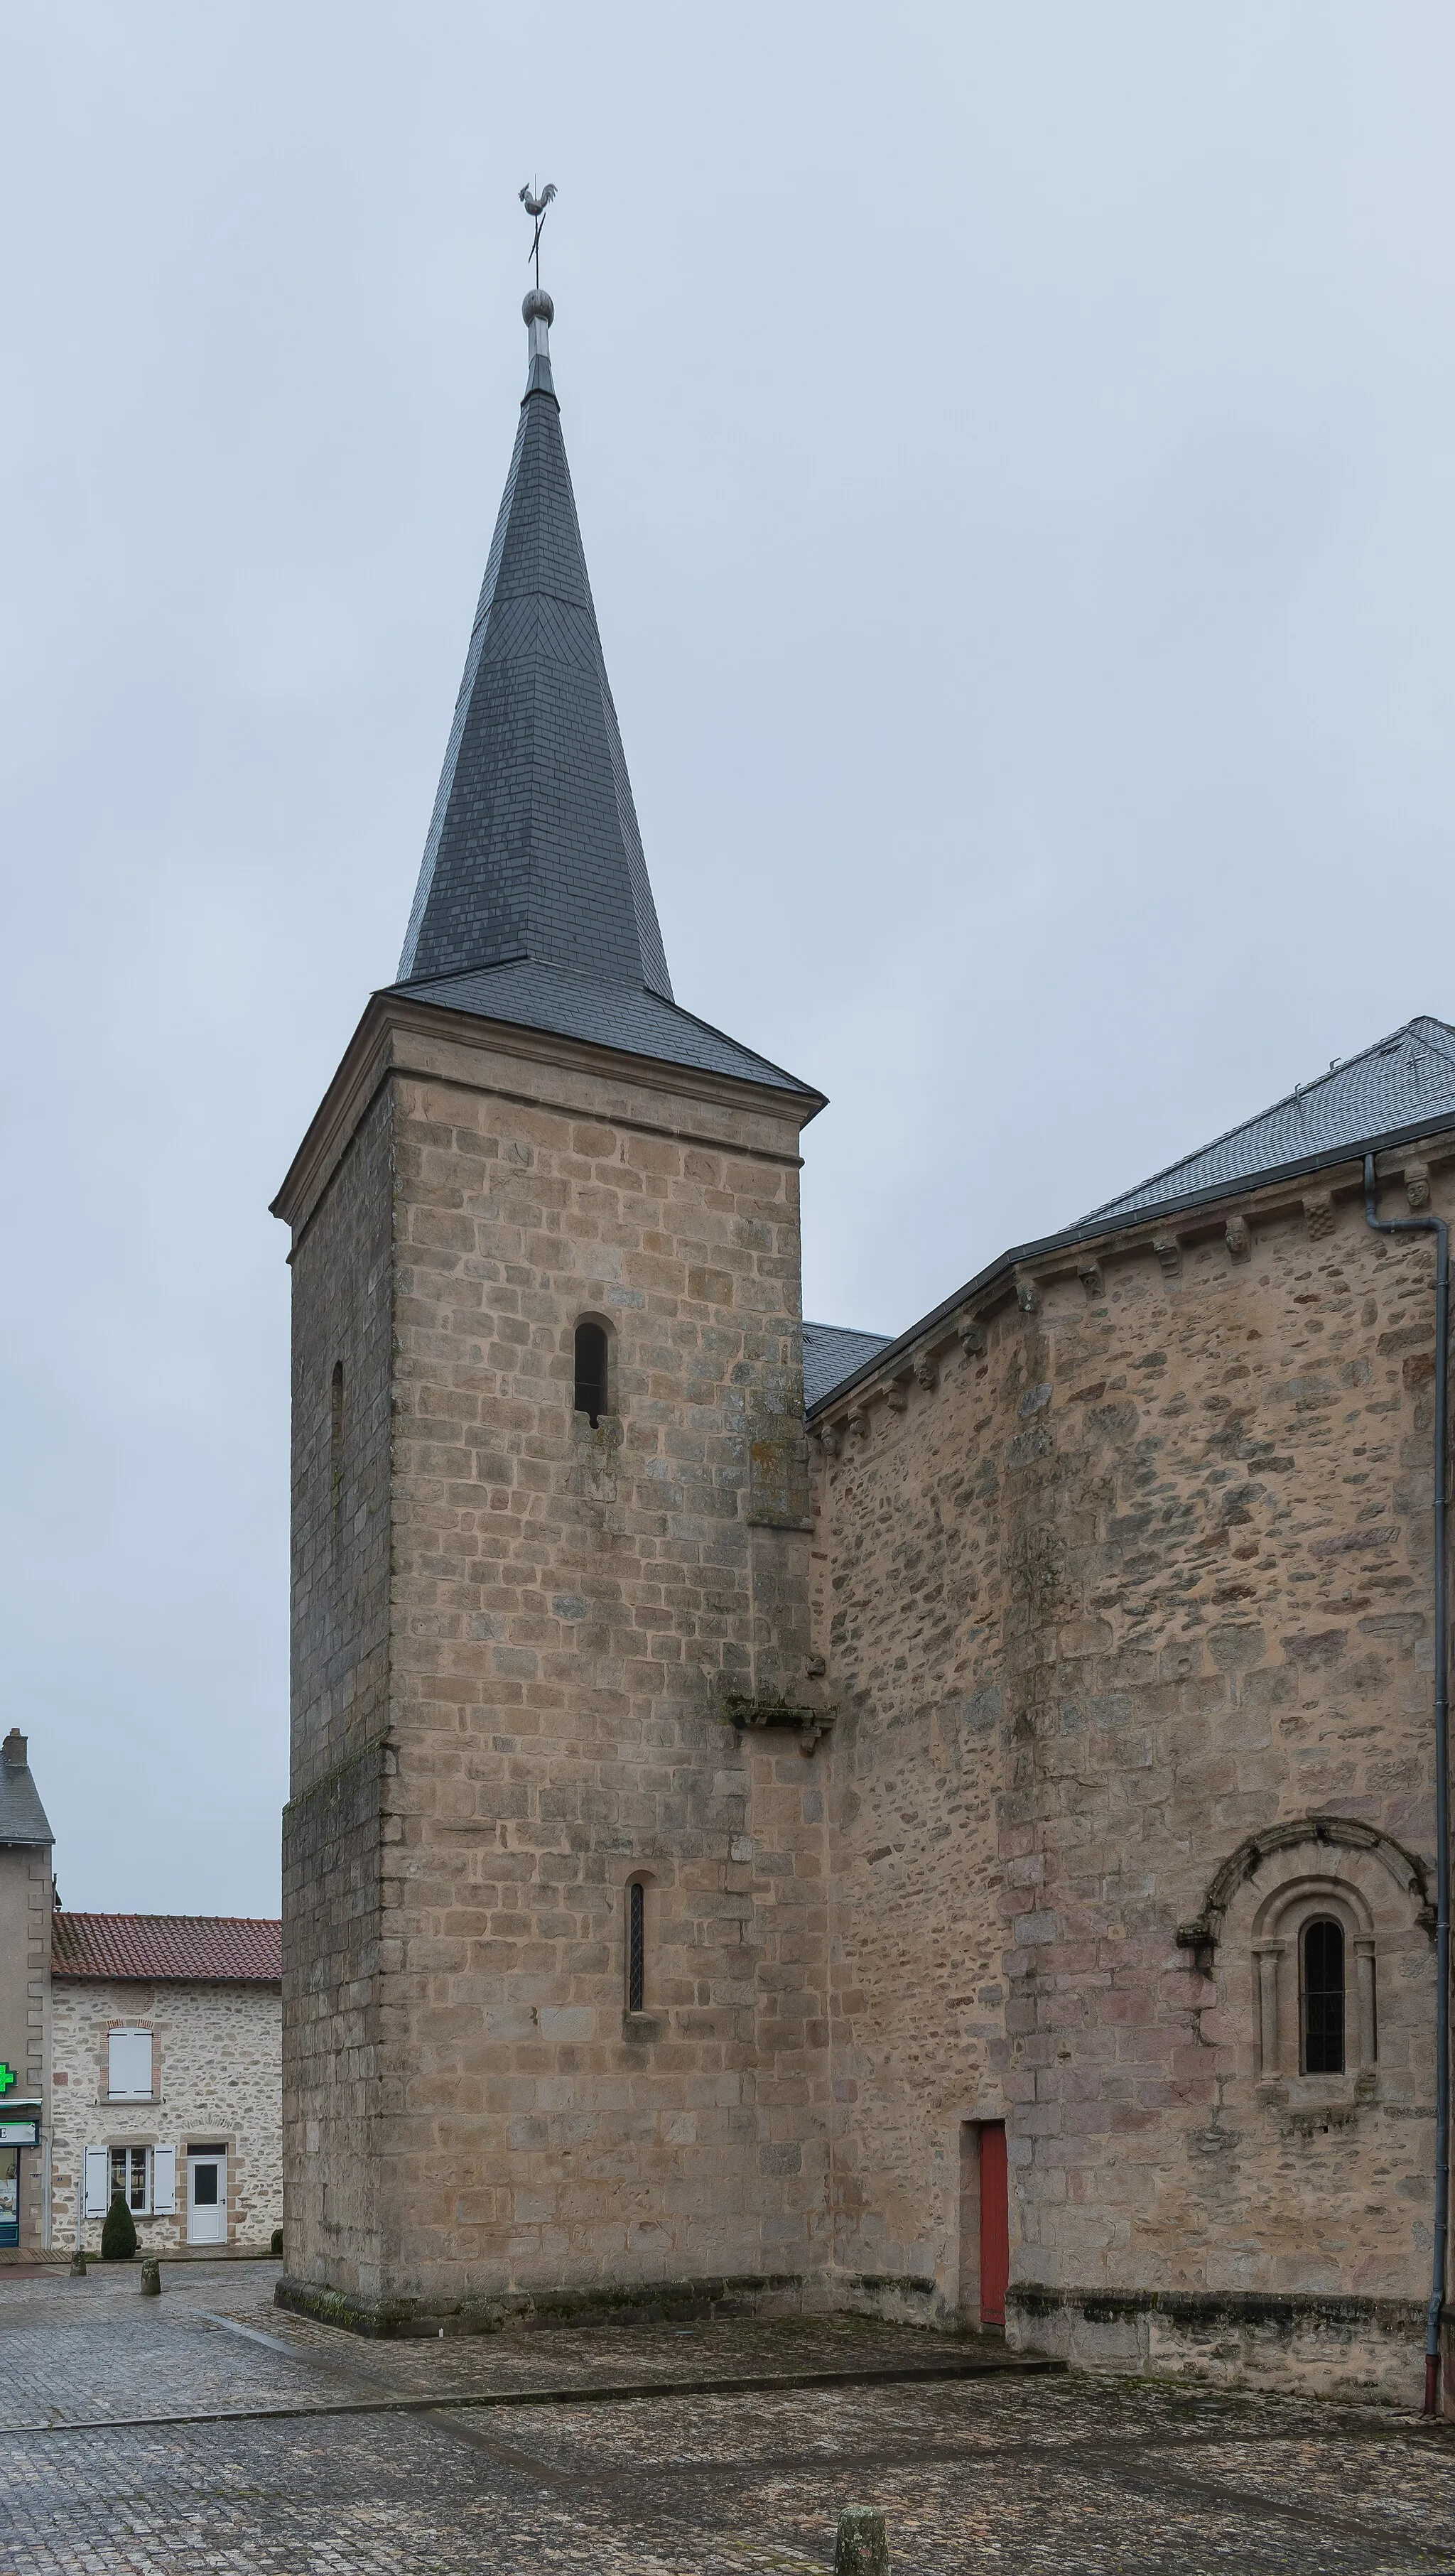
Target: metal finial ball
(538,307)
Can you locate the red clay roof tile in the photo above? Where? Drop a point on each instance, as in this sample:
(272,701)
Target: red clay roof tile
(235,1948)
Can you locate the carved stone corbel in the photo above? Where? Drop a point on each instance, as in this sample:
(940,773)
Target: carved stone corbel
(750,1716)
(1169,1255)
(1238,1239)
(1318,1210)
(1089,1274)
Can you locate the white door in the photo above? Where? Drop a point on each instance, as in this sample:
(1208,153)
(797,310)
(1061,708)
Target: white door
(207,2195)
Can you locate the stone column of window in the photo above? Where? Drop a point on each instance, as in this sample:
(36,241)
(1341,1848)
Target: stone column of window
(1365,2032)
(1269,1955)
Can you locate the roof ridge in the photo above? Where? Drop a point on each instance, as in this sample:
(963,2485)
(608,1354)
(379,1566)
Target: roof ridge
(93,1914)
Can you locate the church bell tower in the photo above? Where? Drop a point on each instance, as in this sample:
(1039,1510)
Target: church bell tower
(554,1923)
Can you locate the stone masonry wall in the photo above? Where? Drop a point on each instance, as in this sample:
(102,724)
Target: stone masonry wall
(342,1321)
(571,1610)
(218,2076)
(1142,1571)
(25,1933)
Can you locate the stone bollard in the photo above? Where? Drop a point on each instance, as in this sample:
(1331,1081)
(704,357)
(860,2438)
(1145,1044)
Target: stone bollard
(151,2278)
(78,2265)
(861,2549)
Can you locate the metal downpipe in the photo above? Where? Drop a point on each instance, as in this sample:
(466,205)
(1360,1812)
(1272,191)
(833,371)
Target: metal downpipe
(1436,1225)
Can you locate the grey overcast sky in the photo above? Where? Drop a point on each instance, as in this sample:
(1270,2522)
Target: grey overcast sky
(1013,447)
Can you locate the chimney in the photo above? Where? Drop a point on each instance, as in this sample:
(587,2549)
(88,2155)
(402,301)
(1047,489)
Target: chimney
(16,1750)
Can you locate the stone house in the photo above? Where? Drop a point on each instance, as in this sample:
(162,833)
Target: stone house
(942,1825)
(153,2062)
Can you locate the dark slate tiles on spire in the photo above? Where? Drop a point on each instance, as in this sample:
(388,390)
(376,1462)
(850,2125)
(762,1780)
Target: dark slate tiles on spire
(533,849)
(633,1022)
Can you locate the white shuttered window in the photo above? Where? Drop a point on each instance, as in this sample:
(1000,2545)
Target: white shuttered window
(130,2069)
(98,2182)
(164,2181)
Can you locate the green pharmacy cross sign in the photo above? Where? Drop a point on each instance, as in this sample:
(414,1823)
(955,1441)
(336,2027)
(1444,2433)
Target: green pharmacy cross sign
(7,2076)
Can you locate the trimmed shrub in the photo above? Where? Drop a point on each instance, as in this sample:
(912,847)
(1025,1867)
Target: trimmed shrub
(278,2243)
(118,2233)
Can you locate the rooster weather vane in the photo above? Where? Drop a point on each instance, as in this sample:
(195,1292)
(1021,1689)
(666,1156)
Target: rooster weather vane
(535,207)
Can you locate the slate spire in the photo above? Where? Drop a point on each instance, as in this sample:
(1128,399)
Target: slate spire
(533,852)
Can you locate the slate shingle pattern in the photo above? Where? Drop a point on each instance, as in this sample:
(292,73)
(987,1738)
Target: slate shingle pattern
(1401,1088)
(238,1949)
(832,1352)
(22,1817)
(533,850)
(1402,1084)
(636,1022)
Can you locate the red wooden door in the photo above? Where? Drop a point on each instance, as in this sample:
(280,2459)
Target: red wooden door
(994,2224)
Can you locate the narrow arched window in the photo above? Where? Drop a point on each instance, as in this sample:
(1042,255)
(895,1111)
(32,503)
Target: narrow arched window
(636,1947)
(591,1356)
(336,1431)
(1323,1997)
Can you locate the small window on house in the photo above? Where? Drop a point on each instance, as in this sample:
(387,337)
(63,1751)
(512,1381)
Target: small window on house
(591,1397)
(129,2066)
(131,2176)
(1323,1997)
(336,1430)
(636,1947)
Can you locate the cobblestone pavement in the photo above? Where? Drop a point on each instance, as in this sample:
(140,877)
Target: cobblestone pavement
(1081,2476)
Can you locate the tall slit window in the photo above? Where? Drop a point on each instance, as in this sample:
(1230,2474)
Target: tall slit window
(591,1371)
(636,1947)
(1323,1997)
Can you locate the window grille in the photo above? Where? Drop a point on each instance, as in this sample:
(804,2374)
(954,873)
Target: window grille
(591,1371)
(1323,1998)
(636,1952)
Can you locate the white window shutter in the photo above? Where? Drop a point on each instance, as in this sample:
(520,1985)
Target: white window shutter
(98,2185)
(130,2077)
(164,2181)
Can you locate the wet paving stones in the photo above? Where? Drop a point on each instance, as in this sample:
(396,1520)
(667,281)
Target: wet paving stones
(1063,2472)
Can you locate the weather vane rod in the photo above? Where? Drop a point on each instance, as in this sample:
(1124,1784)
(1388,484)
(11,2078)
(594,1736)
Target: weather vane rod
(535,207)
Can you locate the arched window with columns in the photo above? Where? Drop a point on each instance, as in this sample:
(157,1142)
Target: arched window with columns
(1314,1949)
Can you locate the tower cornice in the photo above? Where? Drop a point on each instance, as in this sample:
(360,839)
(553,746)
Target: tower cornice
(538,1068)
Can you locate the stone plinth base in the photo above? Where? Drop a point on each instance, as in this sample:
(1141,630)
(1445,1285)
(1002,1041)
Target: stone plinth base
(781,2294)
(1296,2341)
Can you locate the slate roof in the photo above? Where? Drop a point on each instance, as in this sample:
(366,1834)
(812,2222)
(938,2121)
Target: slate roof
(533,903)
(637,1022)
(204,1948)
(832,1352)
(1401,1088)
(533,850)
(22,1817)
(1402,1085)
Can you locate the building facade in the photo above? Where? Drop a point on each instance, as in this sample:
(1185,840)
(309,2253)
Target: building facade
(141,2054)
(166,2082)
(961,1845)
